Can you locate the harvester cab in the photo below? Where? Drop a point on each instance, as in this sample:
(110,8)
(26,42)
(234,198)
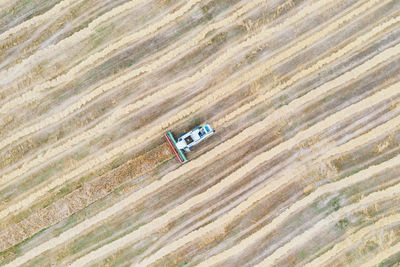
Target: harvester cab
(187,140)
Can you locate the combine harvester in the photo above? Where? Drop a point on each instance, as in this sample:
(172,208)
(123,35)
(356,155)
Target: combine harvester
(187,140)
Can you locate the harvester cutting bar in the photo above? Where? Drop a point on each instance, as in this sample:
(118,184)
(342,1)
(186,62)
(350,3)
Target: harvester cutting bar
(178,153)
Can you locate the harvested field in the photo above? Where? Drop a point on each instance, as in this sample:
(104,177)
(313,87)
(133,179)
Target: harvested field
(304,166)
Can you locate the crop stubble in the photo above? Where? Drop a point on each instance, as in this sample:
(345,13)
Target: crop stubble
(359,72)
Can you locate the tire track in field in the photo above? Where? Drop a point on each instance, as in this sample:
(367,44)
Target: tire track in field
(169,256)
(354,238)
(273,185)
(170,89)
(230,88)
(388,126)
(44,35)
(239,12)
(381,256)
(87,194)
(155,130)
(203,159)
(150,67)
(118,113)
(301,74)
(216,259)
(130,108)
(200,223)
(352,144)
(389,193)
(110,85)
(38,19)
(176,212)
(5,234)
(38,90)
(219,225)
(70,41)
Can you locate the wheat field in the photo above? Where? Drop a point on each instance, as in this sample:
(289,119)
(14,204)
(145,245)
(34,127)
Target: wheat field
(304,166)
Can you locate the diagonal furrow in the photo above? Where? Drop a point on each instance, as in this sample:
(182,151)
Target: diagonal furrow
(203,159)
(172,88)
(22,45)
(117,114)
(304,99)
(237,175)
(8,231)
(226,90)
(287,179)
(163,60)
(381,256)
(38,19)
(356,44)
(221,223)
(130,108)
(241,213)
(70,41)
(389,193)
(388,126)
(90,192)
(39,90)
(354,238)
(96,130)
(370,64)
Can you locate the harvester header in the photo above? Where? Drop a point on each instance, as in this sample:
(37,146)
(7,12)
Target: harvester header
(187,140)
(172,143)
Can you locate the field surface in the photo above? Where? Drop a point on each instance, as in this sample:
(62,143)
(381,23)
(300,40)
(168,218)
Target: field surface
(304,166)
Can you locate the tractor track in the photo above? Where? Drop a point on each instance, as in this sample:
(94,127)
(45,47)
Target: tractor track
(221,92)
(357,236)
(307,137)
(38,19)
(227,219)
(113,118)
(210,201)
(382,256)
(173,54)
(148,68)
(14,137)
(38,90)
(173,214)
(392,192)
(210,98)
(366,174)
(70,40)
(221,148)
